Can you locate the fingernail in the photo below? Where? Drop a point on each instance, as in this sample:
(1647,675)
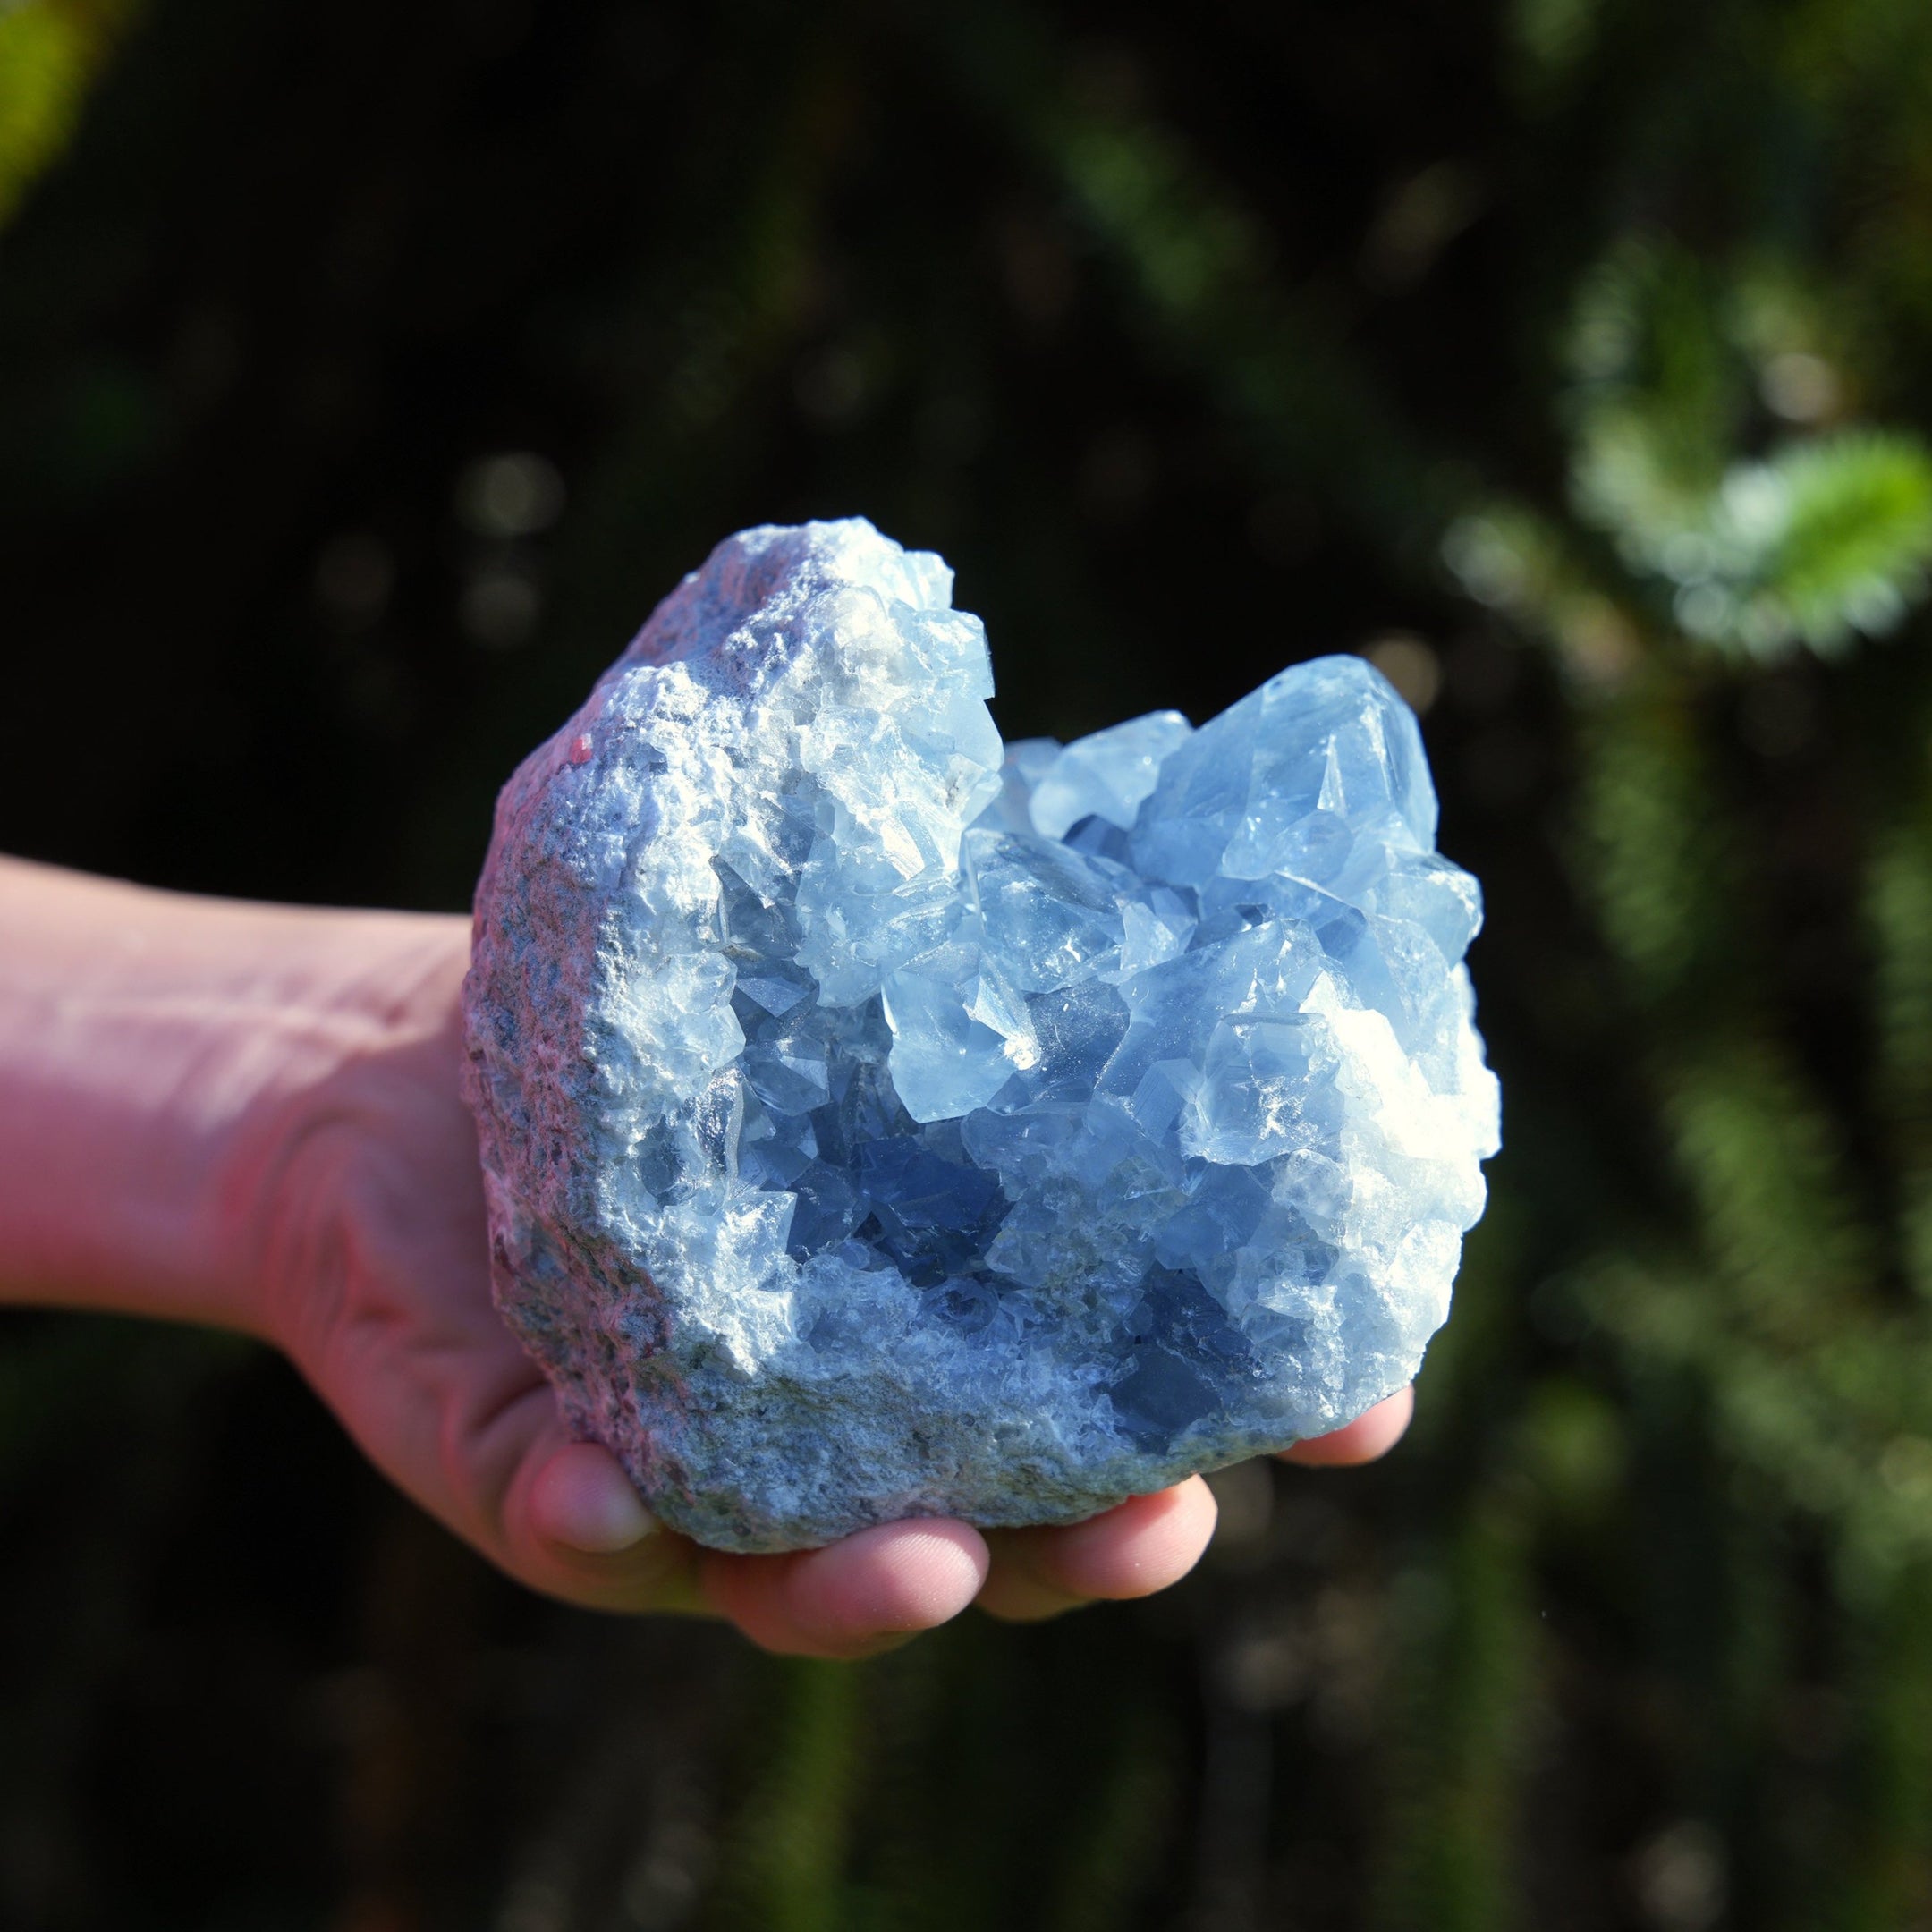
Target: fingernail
(597,1512)
(618,1525)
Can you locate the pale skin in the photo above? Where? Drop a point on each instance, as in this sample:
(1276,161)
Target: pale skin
(249,1116)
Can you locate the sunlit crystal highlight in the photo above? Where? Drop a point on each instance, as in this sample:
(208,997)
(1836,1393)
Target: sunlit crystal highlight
(879,1121)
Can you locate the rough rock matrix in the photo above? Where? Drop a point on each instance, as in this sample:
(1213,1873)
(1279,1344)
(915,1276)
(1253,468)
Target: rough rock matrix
(879,1123)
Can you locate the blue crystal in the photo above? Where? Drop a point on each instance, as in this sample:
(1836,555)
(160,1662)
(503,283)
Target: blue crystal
(1106,774)
(880,1122)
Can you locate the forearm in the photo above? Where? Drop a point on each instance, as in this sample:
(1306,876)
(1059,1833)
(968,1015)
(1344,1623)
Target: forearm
(161,1058)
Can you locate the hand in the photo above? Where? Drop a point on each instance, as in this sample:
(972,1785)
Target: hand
(380,1292)
(249,1115)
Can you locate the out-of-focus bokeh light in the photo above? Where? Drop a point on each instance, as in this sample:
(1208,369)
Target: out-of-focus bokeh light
(516,493)
(1411,665)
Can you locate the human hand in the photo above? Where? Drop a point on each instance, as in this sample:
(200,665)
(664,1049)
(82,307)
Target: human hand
(249,1115)
(381,1293)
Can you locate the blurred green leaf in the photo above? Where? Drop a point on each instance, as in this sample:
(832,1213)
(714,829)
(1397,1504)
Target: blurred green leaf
(50,51)
(1826,540)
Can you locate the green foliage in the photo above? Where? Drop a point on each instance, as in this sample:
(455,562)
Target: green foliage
(786,1863)
(1899,919)
(1467,1670)
(1673,369)
(49,50)
(1828,539)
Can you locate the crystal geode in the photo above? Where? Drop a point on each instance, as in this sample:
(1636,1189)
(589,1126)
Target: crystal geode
(876,1123)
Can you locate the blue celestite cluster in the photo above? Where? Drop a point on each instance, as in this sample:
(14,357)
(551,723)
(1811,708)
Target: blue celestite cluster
(879,1122)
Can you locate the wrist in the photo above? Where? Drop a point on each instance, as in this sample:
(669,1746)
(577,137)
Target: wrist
(172,1071)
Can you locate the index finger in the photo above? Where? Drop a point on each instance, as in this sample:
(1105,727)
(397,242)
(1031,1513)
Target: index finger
(1133,1549)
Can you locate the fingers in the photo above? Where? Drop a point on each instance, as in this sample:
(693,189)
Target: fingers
(574,1529)
(562,1517)
(587,1538)
(1370,1435)
(581,1499)
(1143,1545)
(873,1590)
(856,1597)
(1150,1542)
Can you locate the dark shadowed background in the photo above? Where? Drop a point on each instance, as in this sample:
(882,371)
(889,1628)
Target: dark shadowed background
(368,371)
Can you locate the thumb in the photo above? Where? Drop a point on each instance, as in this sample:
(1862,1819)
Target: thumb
(565,1518)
